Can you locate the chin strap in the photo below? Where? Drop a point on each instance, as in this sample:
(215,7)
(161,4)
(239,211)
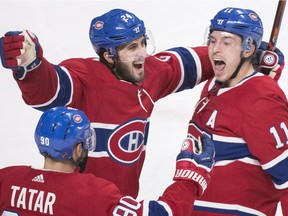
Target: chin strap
(243,59)
(238,68)
(80,162)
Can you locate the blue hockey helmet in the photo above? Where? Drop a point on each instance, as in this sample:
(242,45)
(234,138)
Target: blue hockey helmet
(115,28)
(59,129)
(243,22)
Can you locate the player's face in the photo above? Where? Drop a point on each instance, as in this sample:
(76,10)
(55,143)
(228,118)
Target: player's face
(130,61)
(225,52)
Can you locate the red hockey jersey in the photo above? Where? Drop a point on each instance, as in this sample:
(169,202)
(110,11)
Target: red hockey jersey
(118,110)
(249,126)
(28,191)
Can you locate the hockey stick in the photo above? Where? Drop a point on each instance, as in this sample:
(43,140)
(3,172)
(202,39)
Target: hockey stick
(276,25)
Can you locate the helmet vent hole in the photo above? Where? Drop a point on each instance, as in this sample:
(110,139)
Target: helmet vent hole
(53,127)
(67,131)
(42,124)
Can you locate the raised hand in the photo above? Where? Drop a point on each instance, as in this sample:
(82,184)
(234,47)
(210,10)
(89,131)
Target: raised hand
(20,51)
(269,62)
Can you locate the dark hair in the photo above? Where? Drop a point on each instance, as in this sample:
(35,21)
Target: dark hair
(103,60)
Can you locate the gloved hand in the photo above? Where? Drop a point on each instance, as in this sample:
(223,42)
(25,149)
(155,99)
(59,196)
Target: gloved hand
(21,52)
(195,162)
(268,62)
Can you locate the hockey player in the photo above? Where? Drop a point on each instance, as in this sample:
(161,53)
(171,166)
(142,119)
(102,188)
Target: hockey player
(117,91)
(64,136)
(246,114)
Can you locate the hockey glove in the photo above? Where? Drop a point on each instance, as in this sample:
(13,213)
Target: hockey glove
(268,62)
(195,161)
(21,52)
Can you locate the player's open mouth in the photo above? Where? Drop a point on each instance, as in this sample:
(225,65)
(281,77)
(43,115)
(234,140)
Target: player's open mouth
(138,65)
(219,65)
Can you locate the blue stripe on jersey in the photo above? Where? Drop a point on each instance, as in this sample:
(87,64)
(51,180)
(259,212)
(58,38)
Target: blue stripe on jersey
(156,209)
(64,94)
(279,174)
(189,66)
(230,151)
(102,136)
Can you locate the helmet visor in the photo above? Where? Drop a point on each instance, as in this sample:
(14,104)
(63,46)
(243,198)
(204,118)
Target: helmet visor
(150,43)
(90,142)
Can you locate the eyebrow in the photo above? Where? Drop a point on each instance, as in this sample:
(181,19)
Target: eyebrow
(123,46)
(223,37)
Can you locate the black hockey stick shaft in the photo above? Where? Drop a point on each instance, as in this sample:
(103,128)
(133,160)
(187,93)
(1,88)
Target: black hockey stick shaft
(276,25)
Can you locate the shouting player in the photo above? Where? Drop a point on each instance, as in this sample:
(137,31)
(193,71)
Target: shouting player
(117,91)
(64,137)
(246,114)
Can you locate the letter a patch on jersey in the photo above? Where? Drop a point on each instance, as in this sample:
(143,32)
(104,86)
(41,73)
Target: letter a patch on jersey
(212,119)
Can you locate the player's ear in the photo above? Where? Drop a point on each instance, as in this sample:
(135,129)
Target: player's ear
(250,51)
(108,57)
(78,149)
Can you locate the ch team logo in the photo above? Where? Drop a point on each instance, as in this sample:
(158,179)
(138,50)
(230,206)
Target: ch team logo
(98,25)
(127,141)
(253,16)
(77,118)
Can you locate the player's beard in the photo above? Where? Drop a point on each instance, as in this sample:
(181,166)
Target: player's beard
(124,71)
(82,162)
